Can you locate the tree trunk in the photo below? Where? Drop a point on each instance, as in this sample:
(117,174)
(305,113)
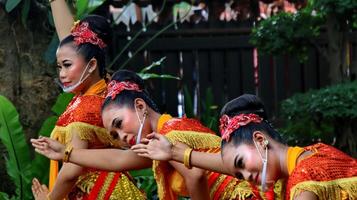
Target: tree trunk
(337,44)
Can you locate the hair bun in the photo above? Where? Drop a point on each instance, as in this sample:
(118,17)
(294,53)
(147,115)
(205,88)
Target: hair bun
(100,26)
(127,75)
(246,103)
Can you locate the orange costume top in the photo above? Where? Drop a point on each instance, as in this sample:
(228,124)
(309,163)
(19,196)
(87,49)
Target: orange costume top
(191,132)
(83,117)
(328,173)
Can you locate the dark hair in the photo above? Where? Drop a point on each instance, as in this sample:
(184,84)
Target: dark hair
(244,104)
(101,27)
(127,97)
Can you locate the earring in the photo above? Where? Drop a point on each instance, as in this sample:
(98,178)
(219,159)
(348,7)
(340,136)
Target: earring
(146,113)
(265,143)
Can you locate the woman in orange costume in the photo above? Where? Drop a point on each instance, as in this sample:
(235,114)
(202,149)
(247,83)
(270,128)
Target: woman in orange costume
(81,63)
(252,149)
(127,113)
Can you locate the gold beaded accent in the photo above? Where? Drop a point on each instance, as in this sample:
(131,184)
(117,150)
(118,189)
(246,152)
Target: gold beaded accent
(67,153)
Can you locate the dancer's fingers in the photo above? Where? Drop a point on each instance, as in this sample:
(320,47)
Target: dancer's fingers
(144,155)
(44,188)
(139,151)
(139,146)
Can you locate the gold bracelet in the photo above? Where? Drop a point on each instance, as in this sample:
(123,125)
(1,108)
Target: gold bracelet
(187,158)
(67,153)
(48,196)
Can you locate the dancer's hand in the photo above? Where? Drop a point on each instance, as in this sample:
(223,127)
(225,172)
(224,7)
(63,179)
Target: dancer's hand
(39,191)
(155,147)
(48,147)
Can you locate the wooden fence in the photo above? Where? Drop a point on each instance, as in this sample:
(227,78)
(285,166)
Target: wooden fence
(219,58)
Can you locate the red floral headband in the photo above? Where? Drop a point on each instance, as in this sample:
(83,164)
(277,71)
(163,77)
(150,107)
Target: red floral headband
(115,87)
(83,34)
(229,125)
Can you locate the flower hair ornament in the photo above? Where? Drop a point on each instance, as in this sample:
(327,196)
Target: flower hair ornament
(115,87)
(229,125)
(83,34)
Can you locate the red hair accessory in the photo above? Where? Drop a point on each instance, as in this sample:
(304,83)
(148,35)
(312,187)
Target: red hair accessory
(229,125)
(115,87)
(83,34)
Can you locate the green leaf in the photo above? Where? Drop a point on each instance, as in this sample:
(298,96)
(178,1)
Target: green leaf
(13,138)
(25,11)
(4,196)
(11,4)
(62,102)
(154,64)
(50,54)
(145,181)
(146,76)
(48,126)
(93,4)
(81,6)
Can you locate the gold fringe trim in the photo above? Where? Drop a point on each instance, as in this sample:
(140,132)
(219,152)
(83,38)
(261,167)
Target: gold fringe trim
(344,188)
(93,134)
(126,189)
(196,140)
(240,191)
(86,181)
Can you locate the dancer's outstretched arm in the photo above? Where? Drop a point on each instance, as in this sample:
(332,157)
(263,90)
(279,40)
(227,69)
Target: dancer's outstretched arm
(159,148)
(104,159)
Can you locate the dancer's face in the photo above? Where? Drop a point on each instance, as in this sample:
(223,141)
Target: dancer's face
(243,161)
(71,66)
(122,122)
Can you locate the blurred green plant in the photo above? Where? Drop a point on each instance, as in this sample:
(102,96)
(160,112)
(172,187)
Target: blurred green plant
(287,33)
(329,114)
(145,181)
(209,114)
(20,167)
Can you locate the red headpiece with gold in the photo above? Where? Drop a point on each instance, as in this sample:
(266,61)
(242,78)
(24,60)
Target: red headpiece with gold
(229,125)
(83,34)
(115,87)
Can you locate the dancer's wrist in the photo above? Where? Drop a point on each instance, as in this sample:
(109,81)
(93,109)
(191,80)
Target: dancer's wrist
(177,153)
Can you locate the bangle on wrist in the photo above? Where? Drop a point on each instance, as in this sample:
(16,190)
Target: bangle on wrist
(67,153)
(48,196)
(187,158)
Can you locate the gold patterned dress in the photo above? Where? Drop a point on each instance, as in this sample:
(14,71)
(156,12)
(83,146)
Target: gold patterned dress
(191,132)
(328,173)
(83,117)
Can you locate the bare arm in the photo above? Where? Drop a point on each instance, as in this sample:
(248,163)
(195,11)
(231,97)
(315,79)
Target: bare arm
(62,17)
(159,148)
(195,181)
(204,160)
(109,159)
(306,195)
(69,173)
(104,159)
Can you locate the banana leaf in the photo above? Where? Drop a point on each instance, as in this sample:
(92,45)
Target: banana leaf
(18,161)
